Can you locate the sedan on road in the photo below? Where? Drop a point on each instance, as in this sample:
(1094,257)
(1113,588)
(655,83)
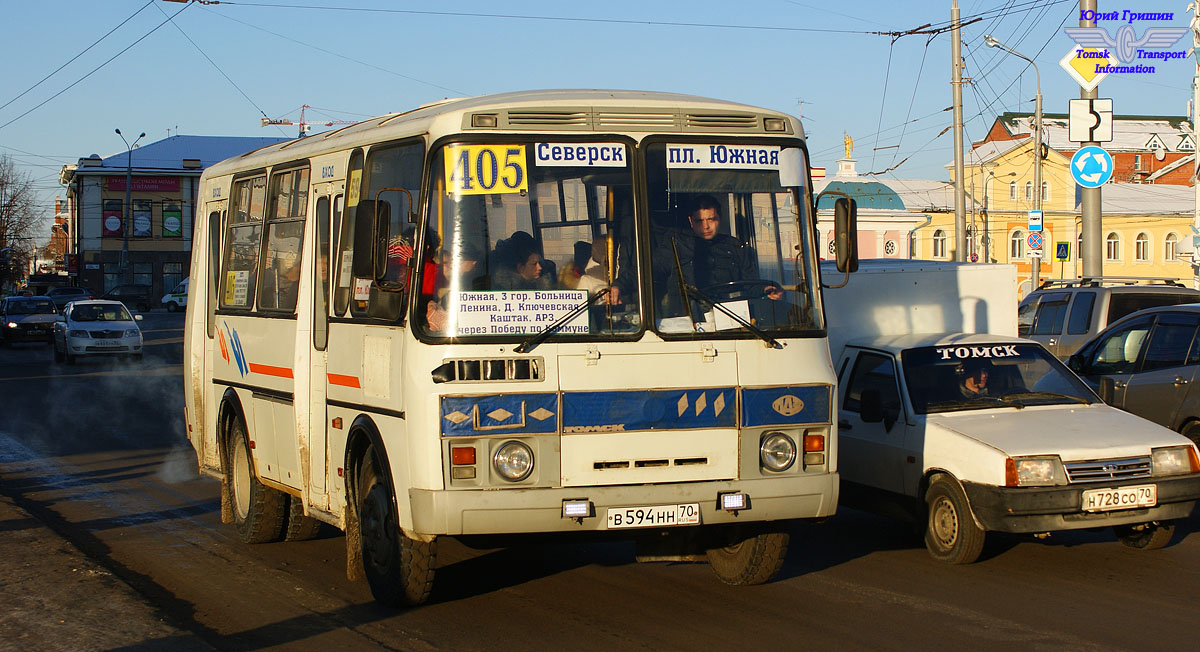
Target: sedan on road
(97,327)
(24,319)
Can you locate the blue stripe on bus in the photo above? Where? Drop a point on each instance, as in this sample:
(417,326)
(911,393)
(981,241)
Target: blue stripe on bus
(499,414)
(649,409)
(787,405)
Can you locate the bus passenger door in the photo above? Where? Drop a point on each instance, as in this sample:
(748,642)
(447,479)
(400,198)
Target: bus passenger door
(318,423)
(207,395)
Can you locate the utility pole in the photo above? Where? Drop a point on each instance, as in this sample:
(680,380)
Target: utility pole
(126,277)
(960,195)
(1089,198)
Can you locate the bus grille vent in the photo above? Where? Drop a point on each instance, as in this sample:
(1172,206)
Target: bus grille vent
(723,121)
(558,119)
(475,370)
(1108,470)
(666,121)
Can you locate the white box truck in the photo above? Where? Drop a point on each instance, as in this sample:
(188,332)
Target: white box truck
(946,417)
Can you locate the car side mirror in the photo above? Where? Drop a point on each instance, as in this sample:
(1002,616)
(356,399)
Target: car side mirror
(370,239)
(1075,363)
(137,318)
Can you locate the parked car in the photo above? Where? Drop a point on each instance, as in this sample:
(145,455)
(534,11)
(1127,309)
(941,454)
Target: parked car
(133,296)
(27,319)
(97,327)
(1062,315)
(1147,364)
(64,295)
(177,298)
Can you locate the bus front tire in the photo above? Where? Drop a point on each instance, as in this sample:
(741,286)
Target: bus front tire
(747,555)
(399,569)
(951,534)
(257,510)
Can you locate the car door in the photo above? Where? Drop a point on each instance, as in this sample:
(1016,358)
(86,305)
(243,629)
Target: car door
(1111,360)
(1079,325)
(1049,318)
(871,454)
(1157,389)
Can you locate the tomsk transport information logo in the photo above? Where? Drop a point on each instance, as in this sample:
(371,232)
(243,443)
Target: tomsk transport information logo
(1125,46)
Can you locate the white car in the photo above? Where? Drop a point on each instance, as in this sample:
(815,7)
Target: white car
(97,327)
(176,299)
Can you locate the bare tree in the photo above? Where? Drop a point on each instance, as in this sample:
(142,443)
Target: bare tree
(18,221)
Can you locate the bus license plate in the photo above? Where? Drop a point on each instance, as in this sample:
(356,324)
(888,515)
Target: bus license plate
(1103,500)
(654,516)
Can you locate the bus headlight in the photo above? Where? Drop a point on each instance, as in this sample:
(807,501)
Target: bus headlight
(777,451)
(513,461)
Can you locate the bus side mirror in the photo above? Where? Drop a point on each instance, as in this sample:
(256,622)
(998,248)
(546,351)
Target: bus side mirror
(370,234)
(845,228)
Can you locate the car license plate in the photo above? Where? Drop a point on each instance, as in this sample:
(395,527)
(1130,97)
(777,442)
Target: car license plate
(106,343)
(1103,500)
(653,516)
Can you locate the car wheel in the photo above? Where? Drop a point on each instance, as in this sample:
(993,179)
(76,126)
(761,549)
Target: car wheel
(1146,536)
(299,527)
(257,510)
(171,307)
(399,569)
(747,555)
(1192,431)
(951,534)
(58,355)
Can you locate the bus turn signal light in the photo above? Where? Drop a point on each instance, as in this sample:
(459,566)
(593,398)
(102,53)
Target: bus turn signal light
(462,455)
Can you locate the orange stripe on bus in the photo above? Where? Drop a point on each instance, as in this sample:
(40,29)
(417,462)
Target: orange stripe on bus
(268,370)
(344,381)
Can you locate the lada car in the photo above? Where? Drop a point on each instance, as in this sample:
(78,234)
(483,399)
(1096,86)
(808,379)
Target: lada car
(1146,364)
(97,327)
(971,434)
(27,319)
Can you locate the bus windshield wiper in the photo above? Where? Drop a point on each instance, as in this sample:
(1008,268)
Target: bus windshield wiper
(538,338)
(771,342)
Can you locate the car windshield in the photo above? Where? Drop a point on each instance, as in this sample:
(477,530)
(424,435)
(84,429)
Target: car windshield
(523,233)
(33,307)
(978,376)
(728,226)
(94,312)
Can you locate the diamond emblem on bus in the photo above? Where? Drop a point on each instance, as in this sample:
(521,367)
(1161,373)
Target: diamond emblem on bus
(541,414)
(719,404)
(701,403)
(499,414)
(456,417)
(683,404)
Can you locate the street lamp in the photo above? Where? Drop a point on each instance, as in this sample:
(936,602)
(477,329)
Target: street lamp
(128,221)
(1037,145)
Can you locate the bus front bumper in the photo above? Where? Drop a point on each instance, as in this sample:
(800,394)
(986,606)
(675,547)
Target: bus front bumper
(520,511)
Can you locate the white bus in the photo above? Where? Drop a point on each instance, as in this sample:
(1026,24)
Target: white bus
(529,313)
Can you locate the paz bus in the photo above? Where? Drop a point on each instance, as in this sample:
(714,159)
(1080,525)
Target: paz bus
(500,316)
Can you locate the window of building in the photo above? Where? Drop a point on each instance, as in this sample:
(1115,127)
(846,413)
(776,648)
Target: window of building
(143,217)
(172,275)
(1045,191)
(939,244)
(1137,161)
(1012,190)
(112,275)
(1028,191)
(1171,248)
(172,220)
(1079,246)
(112,218)
(1112,247)
(143,273)
(1016,246)
(1141,248)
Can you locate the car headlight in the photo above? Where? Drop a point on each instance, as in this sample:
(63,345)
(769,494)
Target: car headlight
(1034,472)
(12,324)
(1173,460)
(513,461)
(777,451)
(133,332)
(78,334)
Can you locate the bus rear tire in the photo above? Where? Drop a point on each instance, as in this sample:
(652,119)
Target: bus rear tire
(399,569)
(257,510)
(299,527)
(747,555)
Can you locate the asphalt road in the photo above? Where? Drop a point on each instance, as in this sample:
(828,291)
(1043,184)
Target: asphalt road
(97,451)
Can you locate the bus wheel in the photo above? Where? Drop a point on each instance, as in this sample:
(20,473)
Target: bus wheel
(398,569)
(299,527)
(951,534)
(257,510)
(1145,536)
(745,555)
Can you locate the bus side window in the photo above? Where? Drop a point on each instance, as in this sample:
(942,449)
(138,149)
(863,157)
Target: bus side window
(243,240)
(392,180)
(343,278)
(321,277)
(279,280)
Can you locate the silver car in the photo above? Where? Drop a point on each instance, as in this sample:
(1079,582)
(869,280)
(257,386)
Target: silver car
(27,319)
(97,327)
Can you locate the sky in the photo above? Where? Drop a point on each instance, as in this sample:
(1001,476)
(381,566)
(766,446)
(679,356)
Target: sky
(80,69)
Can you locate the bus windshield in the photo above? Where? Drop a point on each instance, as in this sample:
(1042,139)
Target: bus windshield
(520,234)
(725,230)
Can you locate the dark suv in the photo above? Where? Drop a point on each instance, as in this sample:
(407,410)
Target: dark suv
(137,297)
(1147,364)
(1062,315)
(61,296)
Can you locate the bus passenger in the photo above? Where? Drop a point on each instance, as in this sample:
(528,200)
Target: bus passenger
(521,265)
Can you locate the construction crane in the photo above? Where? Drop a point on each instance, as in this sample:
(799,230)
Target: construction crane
(304,125)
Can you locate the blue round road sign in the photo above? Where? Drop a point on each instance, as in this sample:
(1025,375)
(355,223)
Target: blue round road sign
(1035,240)
(1091,166)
